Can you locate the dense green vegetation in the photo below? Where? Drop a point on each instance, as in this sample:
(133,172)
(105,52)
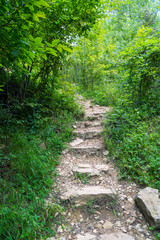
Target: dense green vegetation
(118,65)
(110,52)
(37,108)
(32,137)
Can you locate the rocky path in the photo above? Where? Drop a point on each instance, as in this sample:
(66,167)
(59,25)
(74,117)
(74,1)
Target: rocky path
(98,205)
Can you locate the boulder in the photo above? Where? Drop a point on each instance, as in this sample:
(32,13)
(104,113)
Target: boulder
(149,203)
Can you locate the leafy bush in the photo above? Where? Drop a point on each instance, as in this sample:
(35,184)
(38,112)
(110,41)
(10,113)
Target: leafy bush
(33,134)
(105,95)
(133,137)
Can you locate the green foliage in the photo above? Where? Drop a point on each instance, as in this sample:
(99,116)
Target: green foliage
(104,95)
(35,35)
(142,60)
(114,206)
(27,173)
(132,136)
(91,206)
(83,177)
(33,134)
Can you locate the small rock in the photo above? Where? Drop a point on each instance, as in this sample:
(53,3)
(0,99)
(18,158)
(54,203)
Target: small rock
(60,229)
(64,151)
(131,200)
(118,223)
(106,153)
(99,226)
(107,225)
(138,227)
(124,230)
(130,221)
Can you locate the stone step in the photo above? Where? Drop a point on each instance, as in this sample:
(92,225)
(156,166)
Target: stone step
(88,133)
(97,110)
(89,146)
(90,170)
(86,236)
(88,124)
(81,196)
(116,236)
(107,236)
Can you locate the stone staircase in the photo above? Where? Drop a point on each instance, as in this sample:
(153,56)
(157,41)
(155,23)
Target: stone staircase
(98,206)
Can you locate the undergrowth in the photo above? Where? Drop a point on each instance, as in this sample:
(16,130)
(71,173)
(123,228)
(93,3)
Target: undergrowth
(133,138)
(132,132)
(32,136)
(104,95)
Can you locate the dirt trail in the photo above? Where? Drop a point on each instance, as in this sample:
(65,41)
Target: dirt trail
(98,205)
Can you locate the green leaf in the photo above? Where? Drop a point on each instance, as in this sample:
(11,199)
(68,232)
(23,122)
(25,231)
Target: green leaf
(59,48)
(55,42)
(52,51)
(44,56)
(36,18)
(38,15)
(41,15)
(38,40)
(65,48)
(41,3)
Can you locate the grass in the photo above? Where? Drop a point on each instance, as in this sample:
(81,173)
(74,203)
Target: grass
(83,177)
(132,132)
(91,207)
(133,139)
(29,153)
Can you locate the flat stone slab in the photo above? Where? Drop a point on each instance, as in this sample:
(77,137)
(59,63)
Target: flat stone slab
(92,123)
(86,169)
(88,146)
(90,170)
(96,111)
(87,236)
(76,142)
(116,236)
(87,124)
(96,193)
(102,168)
(149,203)
(88,133)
